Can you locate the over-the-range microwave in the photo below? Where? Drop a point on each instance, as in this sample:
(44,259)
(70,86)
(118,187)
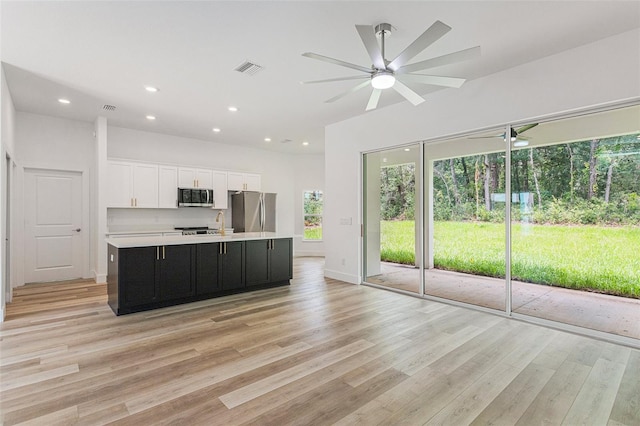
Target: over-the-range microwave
(195,197)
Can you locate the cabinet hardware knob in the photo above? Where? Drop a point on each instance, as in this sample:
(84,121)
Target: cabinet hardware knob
(78,229)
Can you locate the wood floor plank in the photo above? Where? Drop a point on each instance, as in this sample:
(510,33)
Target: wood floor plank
(319,351)
(626,408)
(249,392)
(594,402)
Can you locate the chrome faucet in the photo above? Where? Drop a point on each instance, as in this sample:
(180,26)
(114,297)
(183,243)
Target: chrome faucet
(221,214)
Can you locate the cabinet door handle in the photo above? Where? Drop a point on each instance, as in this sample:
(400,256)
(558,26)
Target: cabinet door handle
(220,248)
(135,201)
(163,257)
(225,248)
(157,253)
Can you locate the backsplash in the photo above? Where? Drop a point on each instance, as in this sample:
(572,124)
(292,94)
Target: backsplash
(123,220)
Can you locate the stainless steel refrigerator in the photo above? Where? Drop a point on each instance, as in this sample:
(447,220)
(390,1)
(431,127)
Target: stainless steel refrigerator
(253,212)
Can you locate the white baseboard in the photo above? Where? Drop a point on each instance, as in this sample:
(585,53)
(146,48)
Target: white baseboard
(100,278)
(336,275)
(308,253)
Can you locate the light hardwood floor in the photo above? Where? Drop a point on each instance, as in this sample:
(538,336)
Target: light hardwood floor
(317,352)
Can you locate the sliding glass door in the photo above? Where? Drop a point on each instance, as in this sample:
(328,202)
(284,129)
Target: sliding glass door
(576,216)
(569,254)
(391,206)
(466,248)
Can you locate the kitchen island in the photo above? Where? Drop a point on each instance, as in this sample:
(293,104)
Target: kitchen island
(149,272)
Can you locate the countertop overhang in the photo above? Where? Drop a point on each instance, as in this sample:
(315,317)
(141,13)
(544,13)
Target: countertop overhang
(128,242)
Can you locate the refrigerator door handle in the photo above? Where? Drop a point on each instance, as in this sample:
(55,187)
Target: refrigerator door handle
(262,216)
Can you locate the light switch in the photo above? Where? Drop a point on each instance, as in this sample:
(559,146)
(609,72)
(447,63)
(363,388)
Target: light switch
(345,221)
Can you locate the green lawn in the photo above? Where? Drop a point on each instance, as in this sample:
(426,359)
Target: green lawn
(313,233)
(604,259)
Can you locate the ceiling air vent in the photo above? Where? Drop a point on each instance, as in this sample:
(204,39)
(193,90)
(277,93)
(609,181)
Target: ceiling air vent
(106,107)
(249,68)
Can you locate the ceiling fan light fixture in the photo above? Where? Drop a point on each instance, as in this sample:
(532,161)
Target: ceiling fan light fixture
(383,80)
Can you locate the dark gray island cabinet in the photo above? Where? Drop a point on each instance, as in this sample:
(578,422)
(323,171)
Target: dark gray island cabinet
(142,277)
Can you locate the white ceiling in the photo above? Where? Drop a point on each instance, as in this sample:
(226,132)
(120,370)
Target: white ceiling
(97,53)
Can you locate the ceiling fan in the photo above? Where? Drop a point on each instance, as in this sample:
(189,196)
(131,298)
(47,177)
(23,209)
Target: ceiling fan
(384,74)
(516,138)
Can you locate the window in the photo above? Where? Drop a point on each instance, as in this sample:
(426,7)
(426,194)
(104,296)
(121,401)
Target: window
(312,215)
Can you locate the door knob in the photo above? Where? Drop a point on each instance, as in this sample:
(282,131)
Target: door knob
(77,229)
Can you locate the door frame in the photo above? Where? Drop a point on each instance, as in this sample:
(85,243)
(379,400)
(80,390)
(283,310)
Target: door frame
(87,197)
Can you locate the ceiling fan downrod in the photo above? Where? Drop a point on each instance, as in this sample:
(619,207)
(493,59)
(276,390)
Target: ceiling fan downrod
(383,30)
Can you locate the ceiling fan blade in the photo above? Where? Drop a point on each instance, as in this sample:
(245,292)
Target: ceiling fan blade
(368,36)
(337,62)
(408,94)
(451,58)
(373,99)
(430,36)
(434,80)
(352,90)
(525,128)
(354,77)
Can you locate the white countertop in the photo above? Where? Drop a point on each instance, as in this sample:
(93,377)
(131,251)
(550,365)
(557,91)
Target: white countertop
(127,242)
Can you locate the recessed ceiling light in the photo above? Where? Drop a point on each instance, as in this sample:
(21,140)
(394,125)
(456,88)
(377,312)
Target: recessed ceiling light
(305,143)
(151,117)
(267,139)
(216,130)
(64,101)
(151,89)
(232,109)
(407,149)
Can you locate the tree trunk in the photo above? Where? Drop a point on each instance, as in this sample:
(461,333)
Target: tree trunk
(454,186)
(535,177)
(487,182)
(571,173)
(607,188)
(477,187)
(439,173)
(593,173)
(465,171)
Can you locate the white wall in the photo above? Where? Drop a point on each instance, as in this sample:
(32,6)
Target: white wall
(309,175)
(52,143)
(602,72)
(276,170)
(7,144)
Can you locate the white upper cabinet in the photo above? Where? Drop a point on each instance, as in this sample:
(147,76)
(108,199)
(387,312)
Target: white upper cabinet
(220,196)
(195,178)
(167,187)
(252,182)
(132,184)
(244,181)
(145,185)
(119,184)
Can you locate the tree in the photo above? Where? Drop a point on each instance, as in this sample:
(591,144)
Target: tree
(593,172)
(535,178)
(454,186)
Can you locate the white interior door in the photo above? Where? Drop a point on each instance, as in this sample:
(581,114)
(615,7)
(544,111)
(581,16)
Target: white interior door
(53,225)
